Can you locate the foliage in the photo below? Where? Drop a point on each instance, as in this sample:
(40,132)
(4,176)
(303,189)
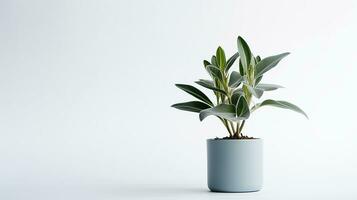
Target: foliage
(235,90)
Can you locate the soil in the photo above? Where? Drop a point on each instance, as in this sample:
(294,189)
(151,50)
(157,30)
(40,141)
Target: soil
(235,137)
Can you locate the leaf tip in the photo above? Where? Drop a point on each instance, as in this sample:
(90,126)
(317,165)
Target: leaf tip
(205,63)
(307,117)
(201,116)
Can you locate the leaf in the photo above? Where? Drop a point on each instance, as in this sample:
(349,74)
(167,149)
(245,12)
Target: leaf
(221,58)
(228,111)
(235,79)
(210,85)
(214,61)
(217,83)
(191,106)
(280,104)
(242,108)
(225,111)
(244,52)
(205,63)
(255,91)
(268,87)
(231,60)
(268,63)
(235,96)
(239,91)
(195,92)
(257,80)
(215,72)
(241,69)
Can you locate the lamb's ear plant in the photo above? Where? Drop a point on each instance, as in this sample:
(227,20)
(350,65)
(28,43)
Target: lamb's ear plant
(235,87)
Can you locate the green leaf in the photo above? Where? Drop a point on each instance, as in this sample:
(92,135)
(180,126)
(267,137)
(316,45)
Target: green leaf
(244,52)
(235,96)
(214,61)
(268,63)
(239,91)
(242,108)
(231,60)
(235,79)
(191,106)
(205,63)
(241,69)
(228,111)
(195,92)
(225,111)
(257,80)
(255,91)
(215,72)
(210,85)
(280,104)
(268,87)
(221,58)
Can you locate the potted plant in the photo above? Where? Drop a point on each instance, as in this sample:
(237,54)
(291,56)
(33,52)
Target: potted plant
(234,163)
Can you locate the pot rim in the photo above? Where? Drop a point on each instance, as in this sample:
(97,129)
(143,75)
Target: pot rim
(234,140)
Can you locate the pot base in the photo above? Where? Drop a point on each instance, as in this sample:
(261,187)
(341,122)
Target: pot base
(232,191)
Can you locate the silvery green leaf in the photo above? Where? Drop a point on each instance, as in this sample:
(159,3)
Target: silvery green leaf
(244,52)
(236,95)
(257,80)
(195,92)
(214,61)
(205,63)
(231,60)
(280,104)
(268,63)
(225,111)
(191,106)
(215,72)
(242,108)
(255,91)
(235,79)
(221,58)
(268,87)
(209,85)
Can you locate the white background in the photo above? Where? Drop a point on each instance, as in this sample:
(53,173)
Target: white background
(86,89)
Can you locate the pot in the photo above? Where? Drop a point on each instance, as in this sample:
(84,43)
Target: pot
(234,165)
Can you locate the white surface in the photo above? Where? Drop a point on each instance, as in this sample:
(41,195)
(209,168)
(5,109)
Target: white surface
(85,90)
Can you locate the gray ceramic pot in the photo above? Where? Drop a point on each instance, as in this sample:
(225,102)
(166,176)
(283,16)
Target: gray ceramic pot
(235,165)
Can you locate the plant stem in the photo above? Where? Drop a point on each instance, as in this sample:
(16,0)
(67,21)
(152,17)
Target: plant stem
(241,127)
(227,127)
(237,131)
(232,127)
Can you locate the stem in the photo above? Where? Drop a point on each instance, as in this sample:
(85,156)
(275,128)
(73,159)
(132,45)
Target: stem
(232,127)
(241,127)
(237,132)
(222,98)
(227,127)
